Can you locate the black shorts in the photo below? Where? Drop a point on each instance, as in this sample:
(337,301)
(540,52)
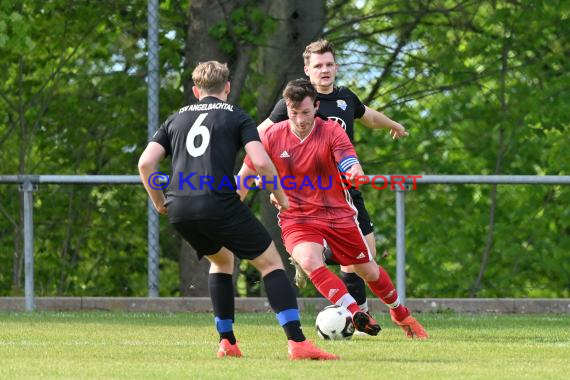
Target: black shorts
(239,232)
(364,222)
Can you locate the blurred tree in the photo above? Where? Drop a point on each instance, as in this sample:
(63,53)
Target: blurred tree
(478,84)
(262,42)
(72,101)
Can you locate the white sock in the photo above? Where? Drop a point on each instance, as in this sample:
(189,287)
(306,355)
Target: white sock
(364,306)
(395,304)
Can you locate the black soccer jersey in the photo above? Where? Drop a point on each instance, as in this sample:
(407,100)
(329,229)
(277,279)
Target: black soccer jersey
(203,140)
(341,105)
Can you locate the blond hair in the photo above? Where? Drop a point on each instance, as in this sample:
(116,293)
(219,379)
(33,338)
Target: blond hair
(211,77)
(321,46)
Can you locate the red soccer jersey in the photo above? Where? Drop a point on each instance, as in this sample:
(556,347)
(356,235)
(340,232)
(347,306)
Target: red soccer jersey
(309,173)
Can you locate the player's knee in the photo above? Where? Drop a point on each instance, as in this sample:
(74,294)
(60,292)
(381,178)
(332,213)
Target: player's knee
(309,256)
(369,277)
(272,255)
(308,263)
(216,268)
(268,261)
(368,272)
(221,263)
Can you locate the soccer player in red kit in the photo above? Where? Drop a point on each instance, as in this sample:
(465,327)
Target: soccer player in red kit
(308,153)
(339,103)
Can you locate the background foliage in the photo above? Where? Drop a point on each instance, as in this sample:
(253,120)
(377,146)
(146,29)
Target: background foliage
(479,84)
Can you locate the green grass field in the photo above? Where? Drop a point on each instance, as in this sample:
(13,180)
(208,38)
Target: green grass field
(157,346)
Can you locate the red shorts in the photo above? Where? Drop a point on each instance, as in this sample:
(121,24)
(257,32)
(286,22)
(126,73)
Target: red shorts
(347,244)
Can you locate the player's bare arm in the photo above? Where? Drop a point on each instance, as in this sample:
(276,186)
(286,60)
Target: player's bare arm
(264,167)
(261,128)
(375,119)
(244,172)
(148,163)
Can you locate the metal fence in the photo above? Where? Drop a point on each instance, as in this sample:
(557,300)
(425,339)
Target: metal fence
(153,84)
(401,184)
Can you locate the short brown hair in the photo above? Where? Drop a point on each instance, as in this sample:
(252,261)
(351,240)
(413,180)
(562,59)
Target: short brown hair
(321,46)
(211,76)
(297,90)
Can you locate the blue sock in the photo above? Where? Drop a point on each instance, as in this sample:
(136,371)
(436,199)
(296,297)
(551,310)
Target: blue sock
(283,301)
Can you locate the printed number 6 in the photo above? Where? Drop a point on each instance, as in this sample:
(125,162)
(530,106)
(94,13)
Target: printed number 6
(198,130)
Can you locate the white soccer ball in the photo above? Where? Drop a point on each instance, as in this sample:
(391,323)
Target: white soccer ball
(334,323)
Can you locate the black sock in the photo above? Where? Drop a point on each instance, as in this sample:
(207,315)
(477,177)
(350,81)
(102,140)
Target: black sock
(221,288)
(355,285)
(293,331)
(281,296)
(229,336)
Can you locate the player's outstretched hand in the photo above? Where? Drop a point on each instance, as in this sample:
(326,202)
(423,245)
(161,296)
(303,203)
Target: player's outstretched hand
(259,182)
(397,131)
(162,210)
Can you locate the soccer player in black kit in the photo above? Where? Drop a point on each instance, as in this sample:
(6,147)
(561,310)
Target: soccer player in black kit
(342,105)
(201,202)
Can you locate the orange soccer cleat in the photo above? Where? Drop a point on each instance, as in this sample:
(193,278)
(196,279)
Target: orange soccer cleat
(228,349)
(307,350)
(411,326)
(364,322)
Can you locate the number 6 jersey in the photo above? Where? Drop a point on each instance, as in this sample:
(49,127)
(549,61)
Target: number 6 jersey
(203,140)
